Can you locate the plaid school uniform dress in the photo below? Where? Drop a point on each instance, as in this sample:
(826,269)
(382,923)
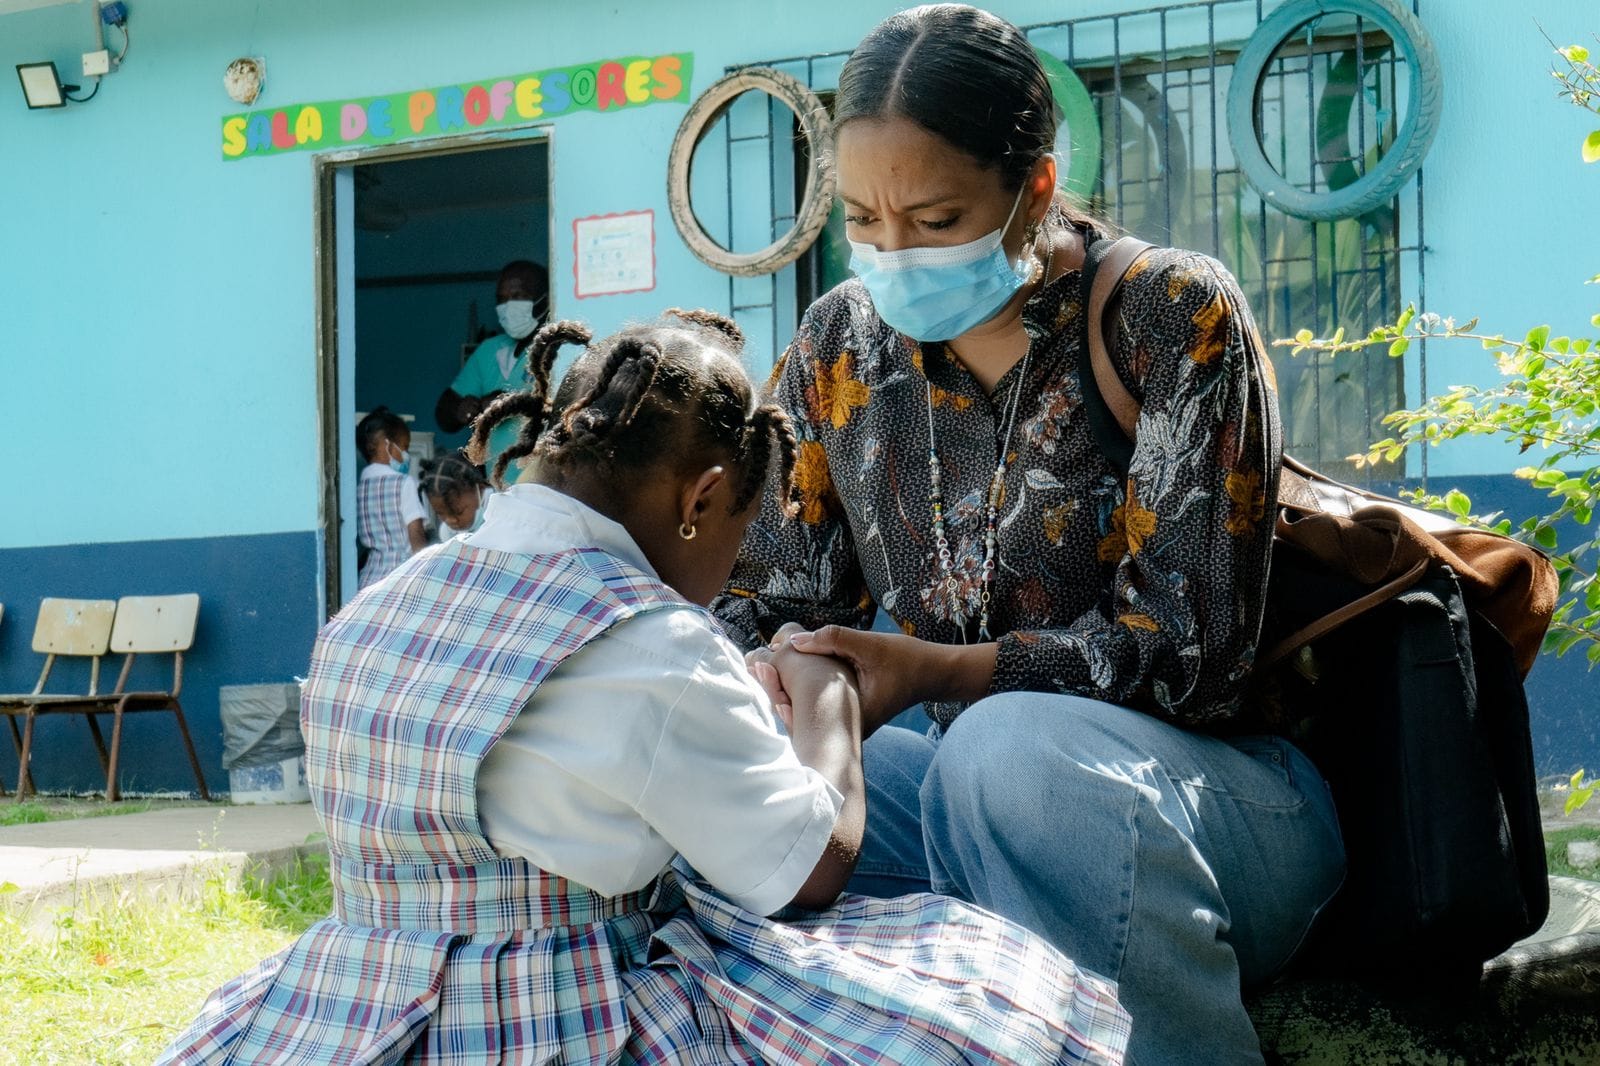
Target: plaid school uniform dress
(379,526)
(442,951)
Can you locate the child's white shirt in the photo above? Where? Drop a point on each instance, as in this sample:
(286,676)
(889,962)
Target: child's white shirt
(652,739)
(411,507)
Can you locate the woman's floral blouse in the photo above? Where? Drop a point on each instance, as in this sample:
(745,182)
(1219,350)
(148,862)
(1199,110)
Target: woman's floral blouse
(1147,594)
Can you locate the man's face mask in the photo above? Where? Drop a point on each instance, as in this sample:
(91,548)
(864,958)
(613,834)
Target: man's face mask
(517,317)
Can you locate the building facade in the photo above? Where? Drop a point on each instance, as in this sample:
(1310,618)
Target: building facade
(198,297)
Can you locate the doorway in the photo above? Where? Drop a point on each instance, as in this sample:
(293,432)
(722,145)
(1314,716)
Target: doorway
(410,242)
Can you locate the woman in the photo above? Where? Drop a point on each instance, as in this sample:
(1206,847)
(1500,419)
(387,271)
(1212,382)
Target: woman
(1073,638)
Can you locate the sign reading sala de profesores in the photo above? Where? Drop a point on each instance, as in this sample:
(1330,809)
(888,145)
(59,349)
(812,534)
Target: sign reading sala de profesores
(606,85)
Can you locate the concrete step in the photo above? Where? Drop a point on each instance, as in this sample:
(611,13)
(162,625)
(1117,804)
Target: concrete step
(162,853)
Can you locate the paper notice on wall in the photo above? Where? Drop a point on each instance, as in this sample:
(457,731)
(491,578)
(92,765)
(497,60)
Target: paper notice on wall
(614,253)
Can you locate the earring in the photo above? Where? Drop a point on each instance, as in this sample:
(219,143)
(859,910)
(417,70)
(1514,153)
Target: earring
(687,532)
(1030,232)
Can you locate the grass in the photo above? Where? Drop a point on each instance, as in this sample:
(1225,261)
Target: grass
(62,808)
(1555,850)
(118,977)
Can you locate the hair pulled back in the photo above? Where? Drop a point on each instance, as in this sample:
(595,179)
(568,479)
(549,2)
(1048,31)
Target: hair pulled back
(964,75)
(672,388)
(379,422)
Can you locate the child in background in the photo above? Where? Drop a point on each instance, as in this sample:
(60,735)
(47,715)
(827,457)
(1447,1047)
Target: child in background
(456,489)
(509,738)
(389,515)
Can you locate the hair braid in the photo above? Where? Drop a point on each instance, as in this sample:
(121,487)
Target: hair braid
(712,320)
(546,344)
(629,371)
(530,406)
(769,426)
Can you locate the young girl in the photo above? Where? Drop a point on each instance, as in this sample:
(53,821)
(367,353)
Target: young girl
(510,737)
(388,503)
(457,490)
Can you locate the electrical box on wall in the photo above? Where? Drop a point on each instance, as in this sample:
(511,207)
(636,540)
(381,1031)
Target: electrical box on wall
(96,64)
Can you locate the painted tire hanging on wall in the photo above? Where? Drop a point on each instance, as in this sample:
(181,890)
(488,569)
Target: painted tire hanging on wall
(815,201)
(1078,138)
(1380,183)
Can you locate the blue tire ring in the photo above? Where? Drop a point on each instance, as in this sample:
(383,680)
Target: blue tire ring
(1378,185)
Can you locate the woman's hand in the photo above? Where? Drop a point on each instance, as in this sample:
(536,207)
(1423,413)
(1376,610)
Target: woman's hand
(895,671)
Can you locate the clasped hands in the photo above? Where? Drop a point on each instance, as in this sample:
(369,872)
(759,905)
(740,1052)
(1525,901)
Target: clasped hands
(892,671)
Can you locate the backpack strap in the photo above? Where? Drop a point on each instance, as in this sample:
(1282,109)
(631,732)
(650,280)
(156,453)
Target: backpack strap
(1113,411)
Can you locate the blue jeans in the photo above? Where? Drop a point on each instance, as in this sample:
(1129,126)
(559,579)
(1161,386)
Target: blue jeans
(1178,865)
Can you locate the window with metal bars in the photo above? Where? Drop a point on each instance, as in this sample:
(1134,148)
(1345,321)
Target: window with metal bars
(1158,79)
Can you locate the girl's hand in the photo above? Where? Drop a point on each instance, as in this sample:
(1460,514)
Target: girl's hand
(809,678)
(759,660)
(895,671)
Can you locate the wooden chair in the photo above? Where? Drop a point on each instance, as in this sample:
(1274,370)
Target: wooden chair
(80,628)
(145,625)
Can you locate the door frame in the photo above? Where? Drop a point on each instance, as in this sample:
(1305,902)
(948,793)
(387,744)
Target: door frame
(325,254)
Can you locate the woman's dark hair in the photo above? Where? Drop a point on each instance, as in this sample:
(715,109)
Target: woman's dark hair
(451,474)
(672,388)
(962,74)
(380,422)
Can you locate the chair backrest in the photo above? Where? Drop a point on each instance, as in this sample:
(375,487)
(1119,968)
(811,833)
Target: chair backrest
(73,627)
(155,623)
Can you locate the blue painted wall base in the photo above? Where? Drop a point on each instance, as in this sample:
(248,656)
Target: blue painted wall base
(259,612)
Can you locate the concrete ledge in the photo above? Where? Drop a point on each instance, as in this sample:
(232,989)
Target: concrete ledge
(166,854)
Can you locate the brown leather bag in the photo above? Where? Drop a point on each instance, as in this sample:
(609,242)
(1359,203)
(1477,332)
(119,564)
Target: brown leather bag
(1377,540)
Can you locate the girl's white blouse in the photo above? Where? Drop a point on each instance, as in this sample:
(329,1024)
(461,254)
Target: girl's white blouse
(652,739)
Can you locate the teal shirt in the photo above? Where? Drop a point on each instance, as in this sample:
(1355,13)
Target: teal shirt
(485,372)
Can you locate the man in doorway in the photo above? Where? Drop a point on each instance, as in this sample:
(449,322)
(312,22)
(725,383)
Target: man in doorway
(521,300)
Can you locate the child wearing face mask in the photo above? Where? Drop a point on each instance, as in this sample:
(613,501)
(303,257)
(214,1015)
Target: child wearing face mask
(499,364)
(457,490)
(389,515)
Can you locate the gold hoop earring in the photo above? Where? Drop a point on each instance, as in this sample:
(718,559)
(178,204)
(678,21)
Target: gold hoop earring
(687,532)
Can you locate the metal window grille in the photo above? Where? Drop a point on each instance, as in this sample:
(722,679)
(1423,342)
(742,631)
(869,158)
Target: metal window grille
(1159,79)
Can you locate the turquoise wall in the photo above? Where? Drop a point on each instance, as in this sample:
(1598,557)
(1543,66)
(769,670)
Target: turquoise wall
(163,288)
(157,343)
(1508,197)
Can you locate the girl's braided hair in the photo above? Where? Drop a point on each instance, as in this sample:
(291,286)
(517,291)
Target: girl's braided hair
(672,388)
(451,474)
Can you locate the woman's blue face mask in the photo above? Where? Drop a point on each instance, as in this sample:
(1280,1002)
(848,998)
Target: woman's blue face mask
(936,294)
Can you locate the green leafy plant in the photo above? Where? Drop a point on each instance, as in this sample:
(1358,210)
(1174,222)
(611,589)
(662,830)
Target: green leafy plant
(1545,402)
(1579,791)
(1580,83)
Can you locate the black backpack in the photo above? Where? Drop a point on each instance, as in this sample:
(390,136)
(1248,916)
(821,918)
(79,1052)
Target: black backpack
(1380,660)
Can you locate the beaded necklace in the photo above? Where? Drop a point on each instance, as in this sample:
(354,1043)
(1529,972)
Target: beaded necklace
(991,538)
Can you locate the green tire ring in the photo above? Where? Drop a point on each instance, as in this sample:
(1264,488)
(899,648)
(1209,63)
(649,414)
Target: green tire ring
(1377,186)
(1081,120)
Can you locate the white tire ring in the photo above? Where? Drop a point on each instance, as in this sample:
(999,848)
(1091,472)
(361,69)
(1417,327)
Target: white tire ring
(815,203)
(1377,186)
